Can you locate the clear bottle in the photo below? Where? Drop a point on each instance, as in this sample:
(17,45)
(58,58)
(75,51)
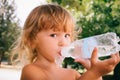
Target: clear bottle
(107,44)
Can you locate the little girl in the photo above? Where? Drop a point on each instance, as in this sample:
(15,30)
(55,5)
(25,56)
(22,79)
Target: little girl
(47,29)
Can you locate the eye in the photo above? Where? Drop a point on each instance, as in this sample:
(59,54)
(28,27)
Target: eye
(53,35)
(67,35)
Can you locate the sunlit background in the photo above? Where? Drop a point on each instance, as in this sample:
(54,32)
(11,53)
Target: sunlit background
(24,7)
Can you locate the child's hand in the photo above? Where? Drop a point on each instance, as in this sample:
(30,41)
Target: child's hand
(104,66)
(98,66)
(85,62)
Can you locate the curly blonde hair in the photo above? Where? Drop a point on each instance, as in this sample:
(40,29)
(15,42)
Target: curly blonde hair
(43,17)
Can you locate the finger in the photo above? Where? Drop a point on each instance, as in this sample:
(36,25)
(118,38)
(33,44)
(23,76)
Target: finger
(84,62)
(114,59)
(94,56)
(118,56)
(81,60)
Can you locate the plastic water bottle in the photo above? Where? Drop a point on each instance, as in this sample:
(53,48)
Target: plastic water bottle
(107,44)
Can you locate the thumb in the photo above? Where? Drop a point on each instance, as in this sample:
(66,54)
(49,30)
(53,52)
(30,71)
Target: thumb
(94,56)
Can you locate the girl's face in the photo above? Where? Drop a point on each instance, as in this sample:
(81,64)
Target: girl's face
(50,42)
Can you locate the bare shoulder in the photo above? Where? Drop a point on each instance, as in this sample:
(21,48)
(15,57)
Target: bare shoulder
(32,72)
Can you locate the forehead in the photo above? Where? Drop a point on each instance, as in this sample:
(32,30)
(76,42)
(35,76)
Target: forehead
(55,30)
(63,29)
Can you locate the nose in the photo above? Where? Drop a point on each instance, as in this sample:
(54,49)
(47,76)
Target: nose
(63,42)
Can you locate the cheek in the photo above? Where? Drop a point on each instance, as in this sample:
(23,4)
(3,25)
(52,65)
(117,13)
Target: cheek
(48,46)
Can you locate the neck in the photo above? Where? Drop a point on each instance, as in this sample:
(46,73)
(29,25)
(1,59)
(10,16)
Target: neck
(45,63)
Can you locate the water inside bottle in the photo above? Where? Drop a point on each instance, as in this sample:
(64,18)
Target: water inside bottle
(107,44)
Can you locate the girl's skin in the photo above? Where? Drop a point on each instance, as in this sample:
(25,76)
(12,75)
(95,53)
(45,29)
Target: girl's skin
(49,44)
(47,29)
(98,68)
